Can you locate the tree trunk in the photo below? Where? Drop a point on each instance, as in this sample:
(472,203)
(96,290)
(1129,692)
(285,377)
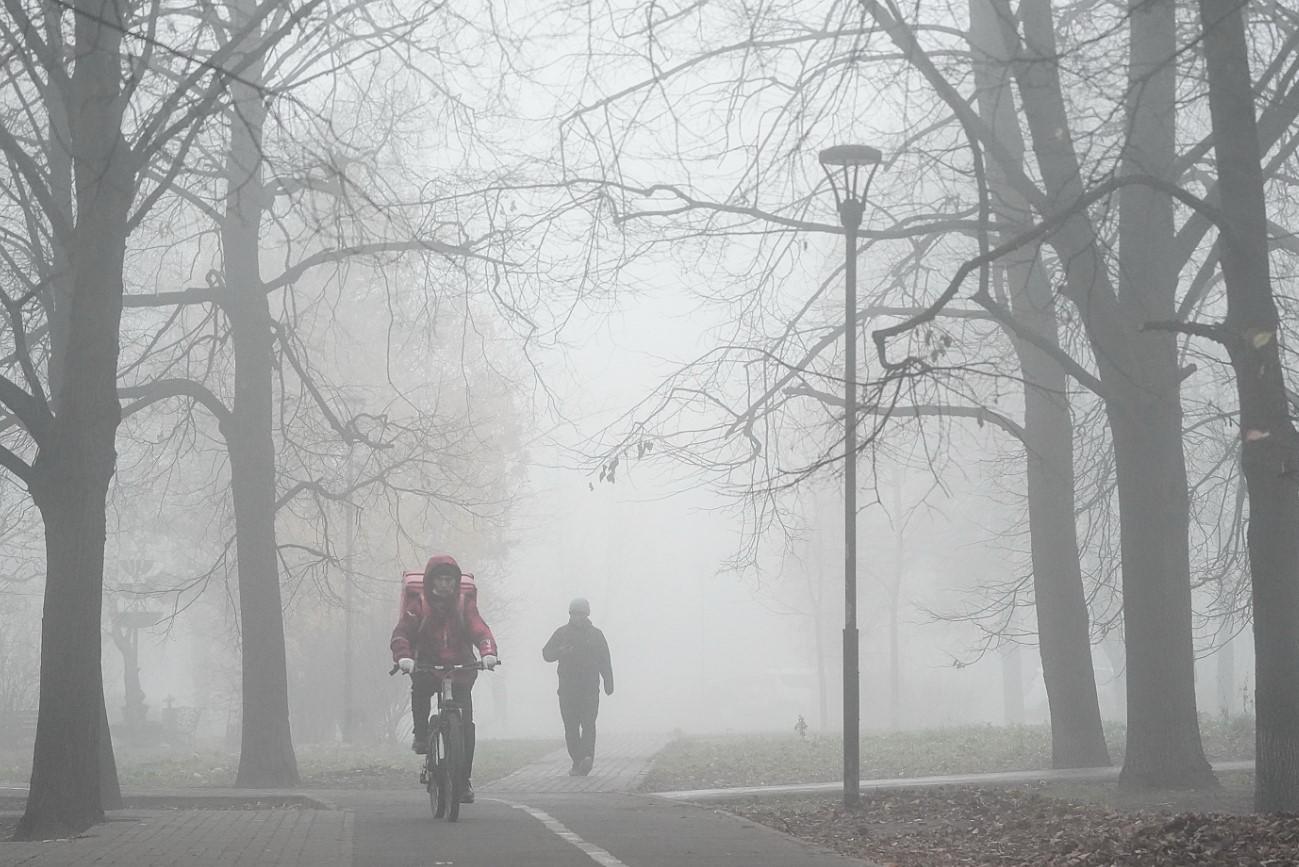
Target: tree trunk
(127,640)
(1077,736)
(1269,439)
(65,796)
(1144,413)
(1146,419)
(266,756)
(1163,741)
(110,791)
(1063,622)
(76,456)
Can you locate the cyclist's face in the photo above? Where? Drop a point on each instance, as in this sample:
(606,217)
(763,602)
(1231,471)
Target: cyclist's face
(443,584)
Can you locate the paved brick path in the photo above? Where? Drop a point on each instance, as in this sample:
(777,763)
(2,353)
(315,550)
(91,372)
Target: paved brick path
(199,838)
(621,760)
(213,831)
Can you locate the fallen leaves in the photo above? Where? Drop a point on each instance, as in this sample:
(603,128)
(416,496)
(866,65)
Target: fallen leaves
(965,827)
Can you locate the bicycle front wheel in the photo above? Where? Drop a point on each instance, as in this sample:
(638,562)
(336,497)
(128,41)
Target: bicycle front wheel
(455,764)
(439,781)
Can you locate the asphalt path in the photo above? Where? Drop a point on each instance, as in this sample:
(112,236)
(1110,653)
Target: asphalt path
(520,829)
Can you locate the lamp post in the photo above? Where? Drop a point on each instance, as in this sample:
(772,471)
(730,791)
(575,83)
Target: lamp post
(850,168)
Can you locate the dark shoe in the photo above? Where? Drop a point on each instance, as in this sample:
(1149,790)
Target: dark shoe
(584,766)
(467,796)
(419,745)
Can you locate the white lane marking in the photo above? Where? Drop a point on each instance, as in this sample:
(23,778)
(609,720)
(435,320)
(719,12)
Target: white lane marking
(596,854)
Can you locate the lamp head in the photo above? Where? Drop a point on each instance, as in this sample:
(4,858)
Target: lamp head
(843,166)
(849,155)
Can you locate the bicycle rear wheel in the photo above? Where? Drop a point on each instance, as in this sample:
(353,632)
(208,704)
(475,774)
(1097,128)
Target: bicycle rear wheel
(455,764)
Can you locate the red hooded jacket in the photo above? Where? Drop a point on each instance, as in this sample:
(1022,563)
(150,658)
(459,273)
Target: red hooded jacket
(443,631)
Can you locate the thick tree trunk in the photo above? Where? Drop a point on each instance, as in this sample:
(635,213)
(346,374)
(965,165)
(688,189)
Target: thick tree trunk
(1144,414)
(1063,623)
(266,756)
(58,308)
(110,791)
(1163,746)
(1077,736)
(1270,452)
(1146,418)
(65,796)
(76,456)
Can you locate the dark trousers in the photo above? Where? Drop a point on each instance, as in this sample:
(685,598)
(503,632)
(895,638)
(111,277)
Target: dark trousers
(422,687)
(578,709)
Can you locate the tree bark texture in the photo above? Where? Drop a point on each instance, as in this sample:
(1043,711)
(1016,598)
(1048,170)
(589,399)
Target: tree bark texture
(110,790)
(1150,412)
(1269,453)
(76,456)
(1139,377)
(266,756)
(1077,735)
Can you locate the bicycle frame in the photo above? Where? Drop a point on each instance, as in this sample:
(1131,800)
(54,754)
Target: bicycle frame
(444,694)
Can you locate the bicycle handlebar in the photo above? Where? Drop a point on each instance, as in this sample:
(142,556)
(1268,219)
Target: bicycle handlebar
(477,665)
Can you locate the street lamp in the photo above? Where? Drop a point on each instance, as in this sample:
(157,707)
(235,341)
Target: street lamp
(850,168)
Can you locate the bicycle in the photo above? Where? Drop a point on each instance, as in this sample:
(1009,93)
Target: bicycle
(444,762)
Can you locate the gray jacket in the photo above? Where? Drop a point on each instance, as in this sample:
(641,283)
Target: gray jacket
(583,656)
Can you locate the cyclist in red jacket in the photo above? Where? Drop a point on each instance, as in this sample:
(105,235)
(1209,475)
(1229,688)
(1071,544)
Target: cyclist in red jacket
(444,630)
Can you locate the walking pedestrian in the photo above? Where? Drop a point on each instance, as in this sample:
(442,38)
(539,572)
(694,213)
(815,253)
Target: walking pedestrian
(583,656)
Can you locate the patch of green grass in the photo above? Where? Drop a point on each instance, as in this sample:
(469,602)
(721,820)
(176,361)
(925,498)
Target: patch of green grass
(397,767)
(149,770)
(325,766)
(319,766)
(771,759)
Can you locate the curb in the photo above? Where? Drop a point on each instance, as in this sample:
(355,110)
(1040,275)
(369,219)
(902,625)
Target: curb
(984,779)
(16,801)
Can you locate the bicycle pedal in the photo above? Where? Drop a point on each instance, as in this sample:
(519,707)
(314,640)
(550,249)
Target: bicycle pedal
(423,776)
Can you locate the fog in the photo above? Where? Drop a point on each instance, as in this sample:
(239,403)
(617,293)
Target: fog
(708,632)
(554,277)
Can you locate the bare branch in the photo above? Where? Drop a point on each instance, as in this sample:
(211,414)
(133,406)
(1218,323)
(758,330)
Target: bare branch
(146,395)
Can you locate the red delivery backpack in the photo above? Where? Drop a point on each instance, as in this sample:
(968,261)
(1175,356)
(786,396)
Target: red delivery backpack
(412,594)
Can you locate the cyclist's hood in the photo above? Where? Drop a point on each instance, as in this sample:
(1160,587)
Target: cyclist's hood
(440,563)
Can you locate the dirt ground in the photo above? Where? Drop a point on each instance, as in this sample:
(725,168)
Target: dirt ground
(1042,825)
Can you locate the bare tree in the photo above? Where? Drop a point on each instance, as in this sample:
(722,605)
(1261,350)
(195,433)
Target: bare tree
(795,367)
(1251,335)
(78,75)
(289,176)
(1061,204)
(1077,739)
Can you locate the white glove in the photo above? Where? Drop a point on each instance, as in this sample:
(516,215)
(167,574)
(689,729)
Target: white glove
(406,664)
(490,662)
